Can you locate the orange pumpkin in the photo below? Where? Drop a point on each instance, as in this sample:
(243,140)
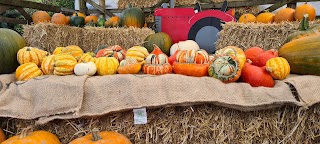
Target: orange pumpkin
(106,137)
(286,14)
(305,9)
(192,56)
(67,20)
(35,137)
(129,66)
(246,18)
(59,18)
(40,16)
(113,22)
(191,69)
(90,18)
(157,63)
(79,14)
(266,17)
(2,136)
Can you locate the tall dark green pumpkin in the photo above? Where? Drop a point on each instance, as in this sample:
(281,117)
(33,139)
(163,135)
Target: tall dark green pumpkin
(161,39)
(132,16)
(10,43)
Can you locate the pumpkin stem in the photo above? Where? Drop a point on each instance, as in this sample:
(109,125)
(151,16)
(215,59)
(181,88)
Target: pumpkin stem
(96,134)
(25,132)
(28,48)
(304,25)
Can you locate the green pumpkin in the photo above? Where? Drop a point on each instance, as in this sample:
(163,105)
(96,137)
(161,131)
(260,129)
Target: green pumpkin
(99,48)
(132,16)
(304,31)
(101,21)
(10,43)
(77,21)
(161,39)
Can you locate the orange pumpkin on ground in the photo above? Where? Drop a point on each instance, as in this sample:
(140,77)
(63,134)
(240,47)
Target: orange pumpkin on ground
(59,18)
(305,9)
(40,16)
(286,14)
(247,18)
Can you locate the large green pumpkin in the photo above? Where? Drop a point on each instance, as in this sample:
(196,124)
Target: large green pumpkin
(132,16)
(161,39)
(10,43)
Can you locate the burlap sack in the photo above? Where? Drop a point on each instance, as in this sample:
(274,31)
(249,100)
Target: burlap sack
(42,96)
(307,87)
(107,94)
(5,81)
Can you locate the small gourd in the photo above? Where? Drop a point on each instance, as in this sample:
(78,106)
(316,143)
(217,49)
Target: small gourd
(114,51)
(107,65)
(137,52)
(278,67)
(157,63)
(47,65)
(64,64)
(31,54)
(129,66)
(184,45)
(87,57)
(234,51)
(27,71)
(85,68)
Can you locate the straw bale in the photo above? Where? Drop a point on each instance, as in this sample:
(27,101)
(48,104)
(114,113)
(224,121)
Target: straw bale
(201,124)
(49,36)
(267,36)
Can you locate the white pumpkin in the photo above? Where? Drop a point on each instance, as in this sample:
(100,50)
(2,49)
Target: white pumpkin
(85,68)
(184,45)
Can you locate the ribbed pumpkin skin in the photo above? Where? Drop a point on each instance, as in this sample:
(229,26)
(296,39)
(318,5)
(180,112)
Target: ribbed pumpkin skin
(303,55)
(234,51)
(31,54)
(64,64)
(278,68)
(74,50)
(107,137)
(47,65)
(157,59)
(192,56)
(160,39)
(137,52)
(10,43)
(27,71)
(155,69)
(225,68)
(286,14)
(132,17)
(36,137)
(305,9)
(107,65)
(2,136)
(87,57)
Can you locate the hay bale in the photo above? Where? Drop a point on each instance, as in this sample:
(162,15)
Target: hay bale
(49,36)
(201,124)
(267,36)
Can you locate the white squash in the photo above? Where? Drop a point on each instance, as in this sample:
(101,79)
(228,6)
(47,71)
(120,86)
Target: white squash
(85,68)
(184,45)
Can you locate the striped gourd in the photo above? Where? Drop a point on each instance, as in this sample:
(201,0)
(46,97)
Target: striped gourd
(47,65)
(107,65)
(27,71)
(64,64)
(31,54)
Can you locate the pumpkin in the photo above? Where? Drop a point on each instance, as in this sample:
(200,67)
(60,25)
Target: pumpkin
(129,66)
(47,65)
(74,50)
(286,14)
(132,16)
(31,54)
(304,30)
(256,76)
(35,137)
(262,58)
(303,9)
(303,55)
(160,39)
(278,68)
(225,68)
(87,57)
(77,21)
(57,50)
(40,16)
(101,21)
(67,20)
(2,136)
(137,52)
(114,51)
(192,56)
(173,57)
(234,51)
(184,45)
(266,17)
(253,52)
(85,68)
(114,21)
(27,71)
(64,64)
(157,63)
(10,43)
(247,18)
(79,14)
(106,137)
(59,18)
(91,18)
(191,69)
(107,65)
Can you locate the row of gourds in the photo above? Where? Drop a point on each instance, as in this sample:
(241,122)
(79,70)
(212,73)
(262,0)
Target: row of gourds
(131,16)
(285,14)
(46,137)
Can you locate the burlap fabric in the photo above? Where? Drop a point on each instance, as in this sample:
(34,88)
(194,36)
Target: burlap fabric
(67,97)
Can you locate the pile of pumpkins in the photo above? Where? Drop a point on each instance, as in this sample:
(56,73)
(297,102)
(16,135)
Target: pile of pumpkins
(285,14)
(132,16)
(46,137)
